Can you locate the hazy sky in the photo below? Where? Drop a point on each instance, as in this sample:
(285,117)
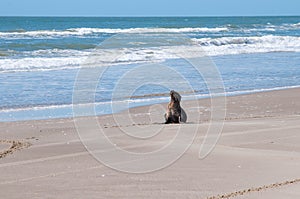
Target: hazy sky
(148,7)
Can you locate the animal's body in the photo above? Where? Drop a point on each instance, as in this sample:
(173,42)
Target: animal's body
(173,114)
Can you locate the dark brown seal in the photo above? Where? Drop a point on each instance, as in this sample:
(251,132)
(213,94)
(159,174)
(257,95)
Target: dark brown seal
(175,113)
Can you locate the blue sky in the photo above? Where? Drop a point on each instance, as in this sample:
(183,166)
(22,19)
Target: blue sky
(148,7)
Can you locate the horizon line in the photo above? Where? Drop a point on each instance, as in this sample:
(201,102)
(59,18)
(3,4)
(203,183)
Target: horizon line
(129,16)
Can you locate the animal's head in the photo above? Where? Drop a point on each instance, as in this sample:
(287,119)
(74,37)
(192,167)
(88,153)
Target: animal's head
(175,96)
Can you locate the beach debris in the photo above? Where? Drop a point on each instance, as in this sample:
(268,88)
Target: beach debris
(15,145)
(256,189)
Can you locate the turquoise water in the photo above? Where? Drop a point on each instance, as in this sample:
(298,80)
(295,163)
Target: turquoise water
(41,56)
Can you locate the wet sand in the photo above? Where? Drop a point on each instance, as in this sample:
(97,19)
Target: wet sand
(257,155)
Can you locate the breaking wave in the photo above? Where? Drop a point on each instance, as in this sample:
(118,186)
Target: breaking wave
(56,59)
(91,31)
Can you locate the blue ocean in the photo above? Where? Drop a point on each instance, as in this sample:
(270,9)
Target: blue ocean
(40,58)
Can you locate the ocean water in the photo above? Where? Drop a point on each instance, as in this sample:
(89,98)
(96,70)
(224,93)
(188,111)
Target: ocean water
(40,58)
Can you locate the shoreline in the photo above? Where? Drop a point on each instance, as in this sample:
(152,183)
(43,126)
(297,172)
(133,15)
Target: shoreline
(257,155)
(30,110)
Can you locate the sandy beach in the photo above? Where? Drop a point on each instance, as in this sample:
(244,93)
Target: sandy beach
(257,155)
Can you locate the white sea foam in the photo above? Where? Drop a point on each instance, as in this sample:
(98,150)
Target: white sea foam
(241,45)
(297,25)
(55,59)
(85,31)
(147,30)
(88,59)
(39,63)
(90,31)
(268,28)
(294,26)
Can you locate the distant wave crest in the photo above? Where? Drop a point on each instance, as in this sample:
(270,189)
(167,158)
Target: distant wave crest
(90,31)
(85,31)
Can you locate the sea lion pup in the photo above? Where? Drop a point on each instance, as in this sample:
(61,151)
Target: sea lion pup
(174,112)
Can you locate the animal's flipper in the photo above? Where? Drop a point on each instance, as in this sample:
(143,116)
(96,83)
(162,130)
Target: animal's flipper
(165,116)
(183,117)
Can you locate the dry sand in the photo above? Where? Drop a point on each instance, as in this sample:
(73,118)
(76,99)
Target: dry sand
(257,156)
